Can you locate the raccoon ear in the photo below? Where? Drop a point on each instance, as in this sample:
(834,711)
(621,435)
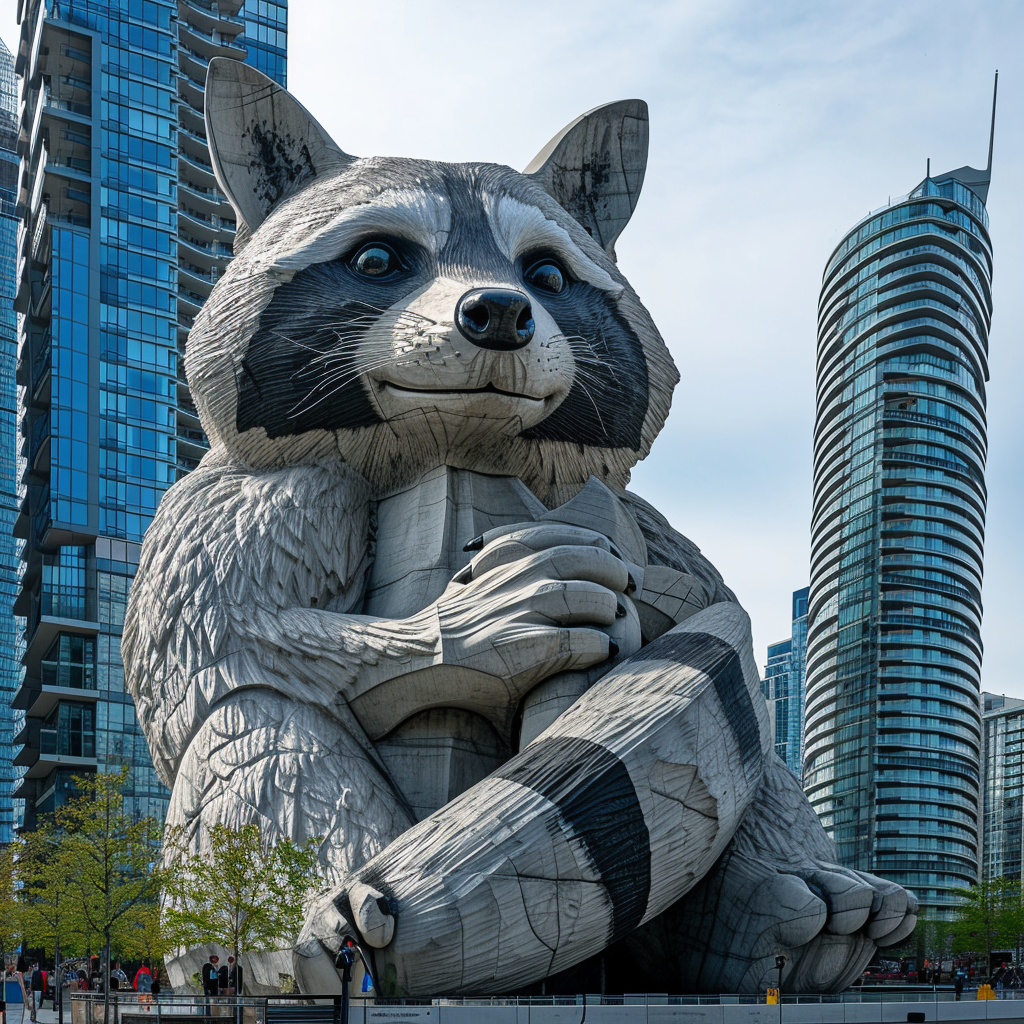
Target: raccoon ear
(594,167)
(263,142)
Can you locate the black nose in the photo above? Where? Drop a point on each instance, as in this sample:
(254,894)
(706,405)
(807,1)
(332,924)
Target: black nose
(497,318)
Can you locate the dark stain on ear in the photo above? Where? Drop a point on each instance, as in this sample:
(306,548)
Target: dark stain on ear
(279,163)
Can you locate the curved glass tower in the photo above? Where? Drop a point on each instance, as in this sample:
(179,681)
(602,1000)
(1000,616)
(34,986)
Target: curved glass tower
(122,233)
(893,646)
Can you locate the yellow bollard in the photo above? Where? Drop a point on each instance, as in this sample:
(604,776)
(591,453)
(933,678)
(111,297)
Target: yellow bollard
(772,998)
(985,992)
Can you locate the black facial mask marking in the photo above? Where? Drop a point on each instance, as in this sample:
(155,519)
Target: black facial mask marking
(607,403)
(303,367)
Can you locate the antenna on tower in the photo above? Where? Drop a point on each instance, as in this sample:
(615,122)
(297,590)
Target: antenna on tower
(992,130)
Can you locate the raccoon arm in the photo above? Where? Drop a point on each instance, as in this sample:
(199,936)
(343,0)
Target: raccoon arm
(516,624)
(363,650)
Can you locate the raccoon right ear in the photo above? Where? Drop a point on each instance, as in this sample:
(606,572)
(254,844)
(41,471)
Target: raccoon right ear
(263,143)
(594,167)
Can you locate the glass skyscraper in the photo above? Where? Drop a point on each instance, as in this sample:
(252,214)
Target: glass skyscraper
(783,687)
(117,206)
(10,627)
(1003,778)
(894,647)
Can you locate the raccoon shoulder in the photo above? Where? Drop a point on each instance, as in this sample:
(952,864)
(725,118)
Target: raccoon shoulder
(225,540)
(666,546)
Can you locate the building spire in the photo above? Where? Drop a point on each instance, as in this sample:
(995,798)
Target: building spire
(992,130)
(976,180)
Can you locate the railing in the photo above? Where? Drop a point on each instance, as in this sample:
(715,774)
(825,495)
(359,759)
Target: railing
(51,674)
(191,295)
(137,1008)
(40,433)
(41,359)
(50,746)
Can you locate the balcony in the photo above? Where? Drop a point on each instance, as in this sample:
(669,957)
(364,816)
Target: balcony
(44,750)
(211,44)
(39,446)
(194,278)
(41,361)
(209,255)
(209,16)
(42,520)
(39,701)
(190,302)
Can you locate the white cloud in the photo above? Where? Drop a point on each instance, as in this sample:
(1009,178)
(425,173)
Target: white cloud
(774,127)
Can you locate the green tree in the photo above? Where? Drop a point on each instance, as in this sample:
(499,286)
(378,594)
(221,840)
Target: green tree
(11,906)
(990,917)
(245,893)
(112,858)
(51,913)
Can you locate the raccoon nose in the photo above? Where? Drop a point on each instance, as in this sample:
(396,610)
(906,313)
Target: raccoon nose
(496,318)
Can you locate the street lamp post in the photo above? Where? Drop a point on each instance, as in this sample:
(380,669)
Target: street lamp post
(346,958)
(780,962)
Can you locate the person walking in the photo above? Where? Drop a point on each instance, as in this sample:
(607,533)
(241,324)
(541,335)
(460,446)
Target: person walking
(36,987)
(958,986)
(143,980)
(234,977)
(211,976)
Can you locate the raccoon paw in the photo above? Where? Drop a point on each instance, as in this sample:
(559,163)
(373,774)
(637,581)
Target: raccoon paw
(327,929)
(777,889)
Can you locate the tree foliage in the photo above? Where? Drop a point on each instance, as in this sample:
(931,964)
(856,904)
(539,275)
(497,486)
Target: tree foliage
(991,917)
(50,908)
(11,907)
(246,894)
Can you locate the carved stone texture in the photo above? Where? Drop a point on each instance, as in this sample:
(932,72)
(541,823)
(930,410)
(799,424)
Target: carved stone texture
(406,604)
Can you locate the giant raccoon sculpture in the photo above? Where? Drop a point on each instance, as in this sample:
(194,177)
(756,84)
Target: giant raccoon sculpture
(406,604)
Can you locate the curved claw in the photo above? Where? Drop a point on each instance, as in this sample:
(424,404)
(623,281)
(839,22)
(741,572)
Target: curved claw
(317,947)
(849,898)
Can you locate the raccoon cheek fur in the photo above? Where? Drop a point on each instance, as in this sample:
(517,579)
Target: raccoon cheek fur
(405,603)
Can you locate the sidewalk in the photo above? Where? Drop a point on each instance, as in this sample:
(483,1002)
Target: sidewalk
(47,1016)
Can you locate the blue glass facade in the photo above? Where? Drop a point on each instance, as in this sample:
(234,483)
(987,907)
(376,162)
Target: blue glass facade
(894,647)
(783,686)
(10,561)
(103,333)
(1003,775)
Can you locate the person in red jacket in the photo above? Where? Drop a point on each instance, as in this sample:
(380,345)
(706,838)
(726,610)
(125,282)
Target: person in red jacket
(143,980)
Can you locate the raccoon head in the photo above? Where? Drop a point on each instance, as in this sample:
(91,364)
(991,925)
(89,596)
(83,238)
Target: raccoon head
(405,314)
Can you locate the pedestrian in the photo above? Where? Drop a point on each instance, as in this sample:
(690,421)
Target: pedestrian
(211,976)
(118,979)
(234,977)
(222,980)
(143,981)
(36,987)
(155,990)
(958,986)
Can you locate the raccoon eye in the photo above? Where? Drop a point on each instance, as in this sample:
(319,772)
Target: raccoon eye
(376,259)
(547,275)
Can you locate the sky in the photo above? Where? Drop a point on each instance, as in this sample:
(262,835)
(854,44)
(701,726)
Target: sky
(774,128)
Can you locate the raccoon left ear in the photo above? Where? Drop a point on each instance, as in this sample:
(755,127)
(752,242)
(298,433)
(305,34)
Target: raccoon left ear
(264,144)
(594,167)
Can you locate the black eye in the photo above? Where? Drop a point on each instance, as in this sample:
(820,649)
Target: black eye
(547,275)
(377,259)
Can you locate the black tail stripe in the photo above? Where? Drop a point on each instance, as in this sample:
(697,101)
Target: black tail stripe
(595,796)
(717,658)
